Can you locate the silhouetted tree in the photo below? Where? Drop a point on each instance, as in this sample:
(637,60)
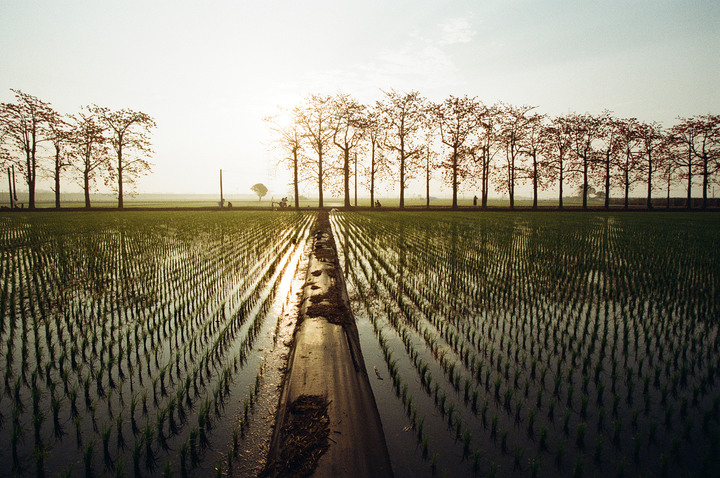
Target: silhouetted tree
(609,134)
(680,147)
(702,137)
(650,136)
(513,122)
(260,189)
(88,145)
(288,139)
(404,117)
(557,145)
(24,123)
(347,125)
(315,118)
(129,135)
(627,166)
(584,130)
(532,146)
(59,135)
(484,147)
(457,120)
(375,137)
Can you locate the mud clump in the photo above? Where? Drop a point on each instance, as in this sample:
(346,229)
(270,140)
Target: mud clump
(304,438)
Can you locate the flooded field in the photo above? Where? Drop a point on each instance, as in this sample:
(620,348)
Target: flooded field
(532,343)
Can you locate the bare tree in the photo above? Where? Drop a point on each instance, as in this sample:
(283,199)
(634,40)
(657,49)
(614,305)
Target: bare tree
(288,140)
(347,125)
(484,147)
(681,140)
(457,120)
(59,134)
(532,146)
(557,145)
(628,164)
(584,130)
(375,137)
(88,145)
(315,118)
(24,124)
(404,117)
(513,121)
(701,135)
(650,136)
(129,135)
(609,134)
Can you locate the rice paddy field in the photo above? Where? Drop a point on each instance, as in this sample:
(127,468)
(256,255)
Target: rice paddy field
(144,343)
(497,344)
(537,344)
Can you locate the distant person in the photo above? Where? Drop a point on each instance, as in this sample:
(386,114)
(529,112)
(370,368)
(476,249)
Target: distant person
(377,203)
(474,200)
(229,204)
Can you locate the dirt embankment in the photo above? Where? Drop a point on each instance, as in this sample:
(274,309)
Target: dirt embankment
(327,423)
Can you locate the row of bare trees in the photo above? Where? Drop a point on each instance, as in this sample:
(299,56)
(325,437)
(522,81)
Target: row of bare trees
(476,146)
(96,144)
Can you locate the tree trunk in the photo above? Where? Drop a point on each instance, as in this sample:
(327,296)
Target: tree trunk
(295,179)
(512,182)
(627,185)
(10,189)
(649,181)
(320,179)
(607,179)
(454,180)
(346,176)
(427,185)
(355,182)
(86,187)
(585,183)
(372,175)
(688,204)
(120,174)
(402,174)
(560,195)
(535,181)
(705,181)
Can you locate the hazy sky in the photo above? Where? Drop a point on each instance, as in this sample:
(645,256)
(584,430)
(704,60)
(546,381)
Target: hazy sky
(209,71)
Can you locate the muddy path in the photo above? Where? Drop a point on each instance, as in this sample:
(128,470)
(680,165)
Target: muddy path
(327,421)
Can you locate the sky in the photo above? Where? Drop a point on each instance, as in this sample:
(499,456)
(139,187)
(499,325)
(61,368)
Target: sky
(210,71)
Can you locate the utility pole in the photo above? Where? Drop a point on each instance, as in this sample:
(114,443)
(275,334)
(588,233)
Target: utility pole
(222,200)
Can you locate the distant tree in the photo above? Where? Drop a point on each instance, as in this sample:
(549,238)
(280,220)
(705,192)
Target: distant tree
(347,125)
(260,189)
(457,120)
(89,148)
(584,130)
(651,137)
(628,161)
(24,123)
(532,146)
(59,134)
(288,139)
(681,138)
(557,145)
(609,134)
(701,136)
(129,136)
(404,117)
(484,147)
(375,136)
(513,122)
(315,118)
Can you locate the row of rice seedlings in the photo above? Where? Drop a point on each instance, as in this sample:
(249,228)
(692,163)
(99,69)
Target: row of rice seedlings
(577,329)
(101,379)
